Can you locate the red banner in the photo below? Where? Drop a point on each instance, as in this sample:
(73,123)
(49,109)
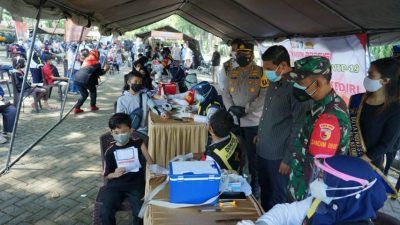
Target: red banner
(21,29)
(73,32)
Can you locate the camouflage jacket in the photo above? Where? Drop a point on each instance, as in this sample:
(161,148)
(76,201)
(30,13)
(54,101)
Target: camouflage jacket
(302,163)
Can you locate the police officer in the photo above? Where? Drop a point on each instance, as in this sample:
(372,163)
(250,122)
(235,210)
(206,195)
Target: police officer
(243,96)
(231,63)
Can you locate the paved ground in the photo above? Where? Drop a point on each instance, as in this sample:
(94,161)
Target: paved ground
(57,182)
(65,163)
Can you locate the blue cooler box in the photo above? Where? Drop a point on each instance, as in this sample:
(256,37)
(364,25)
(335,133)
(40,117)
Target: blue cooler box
(193,182)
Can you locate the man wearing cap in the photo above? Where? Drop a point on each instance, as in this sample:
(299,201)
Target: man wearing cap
(231,63)
(326,126)
(243,96)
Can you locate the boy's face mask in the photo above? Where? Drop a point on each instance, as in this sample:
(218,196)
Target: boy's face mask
(122,138)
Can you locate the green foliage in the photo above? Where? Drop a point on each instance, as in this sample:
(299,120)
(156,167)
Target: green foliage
(207,40)
(382,51)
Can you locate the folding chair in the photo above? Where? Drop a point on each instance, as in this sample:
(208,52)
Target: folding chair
(106,141)
(5,81)
(16,94)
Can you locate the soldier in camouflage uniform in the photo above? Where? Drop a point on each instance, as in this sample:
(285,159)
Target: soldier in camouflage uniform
(312,76)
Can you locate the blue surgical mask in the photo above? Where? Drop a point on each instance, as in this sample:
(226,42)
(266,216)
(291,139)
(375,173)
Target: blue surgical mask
(199,98)
(121,138)
(272,76)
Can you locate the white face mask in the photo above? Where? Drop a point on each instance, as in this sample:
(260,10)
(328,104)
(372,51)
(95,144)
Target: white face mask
(372,85)
(318,190)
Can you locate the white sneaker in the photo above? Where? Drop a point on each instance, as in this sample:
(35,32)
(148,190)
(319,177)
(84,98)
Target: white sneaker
(2,139)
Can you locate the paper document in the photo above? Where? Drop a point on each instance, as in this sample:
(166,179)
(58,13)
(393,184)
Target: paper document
(182,115)
(128,158)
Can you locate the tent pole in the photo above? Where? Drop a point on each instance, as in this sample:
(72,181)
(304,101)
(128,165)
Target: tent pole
(31,49)
(34,143)
(72,71)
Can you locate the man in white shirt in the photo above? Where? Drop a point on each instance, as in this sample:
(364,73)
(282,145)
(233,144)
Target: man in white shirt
(72,69)
(188,56)
(176,53)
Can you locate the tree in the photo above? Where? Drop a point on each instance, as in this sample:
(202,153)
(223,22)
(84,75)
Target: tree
(1,14)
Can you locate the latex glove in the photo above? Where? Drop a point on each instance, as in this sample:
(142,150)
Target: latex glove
(246,222)
(238,111)
(156,169)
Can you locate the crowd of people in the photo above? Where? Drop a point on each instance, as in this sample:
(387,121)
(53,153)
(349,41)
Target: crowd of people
(305,152)
(310,158)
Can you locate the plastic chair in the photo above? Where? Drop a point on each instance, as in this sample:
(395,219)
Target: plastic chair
(106,141)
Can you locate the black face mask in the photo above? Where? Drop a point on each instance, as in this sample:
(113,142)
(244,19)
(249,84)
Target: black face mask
(136,87)
(300,95)
(243,61)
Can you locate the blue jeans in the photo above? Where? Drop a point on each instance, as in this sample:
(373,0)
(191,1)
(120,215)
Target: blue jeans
(274,186)
(71,76)
(5,68)
(9,114)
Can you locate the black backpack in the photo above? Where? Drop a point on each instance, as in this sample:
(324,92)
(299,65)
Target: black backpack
(137,114)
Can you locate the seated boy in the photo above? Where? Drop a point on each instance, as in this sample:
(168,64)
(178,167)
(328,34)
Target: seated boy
(50,78)
(224,148)
(131,98)
(123,168)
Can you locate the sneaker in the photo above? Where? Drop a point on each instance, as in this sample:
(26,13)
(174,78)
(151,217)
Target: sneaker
(94,108)
(76,110)
(2,139)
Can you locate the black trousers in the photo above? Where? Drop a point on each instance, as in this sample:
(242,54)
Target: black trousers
(389,160)
(84,90)
(112,201)
(248,134)
(274,186)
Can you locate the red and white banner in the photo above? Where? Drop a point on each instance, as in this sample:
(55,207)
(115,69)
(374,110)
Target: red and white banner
(347,56)
(166,35)
(73,32)
(21,29)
